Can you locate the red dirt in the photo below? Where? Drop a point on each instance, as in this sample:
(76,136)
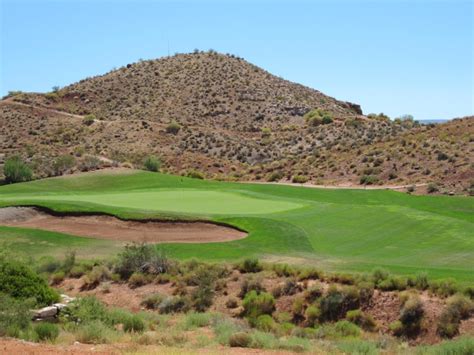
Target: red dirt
(111,228)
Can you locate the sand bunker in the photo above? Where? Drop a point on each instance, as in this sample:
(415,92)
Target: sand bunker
(108,227)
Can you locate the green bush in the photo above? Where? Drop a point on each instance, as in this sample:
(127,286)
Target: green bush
(265,323)
(143,258)
(458,308)
(369,180)
(152,301)
(15,316)
(312,315)
(317,117)
(461,346)
(275,176)
(197,320)
(174,304)
(335,304)
(299,179)
(256,304)
(88,119)
(15,170)
(134,324)
(203,295)
(94,332)
(194,174)
(250,266)
(63,163)
(152,163)
(365,321)
(240,340)
(19,281)
(313,293)
(85,310)
(411,315)
(137,279)
(347,329)
(46,331)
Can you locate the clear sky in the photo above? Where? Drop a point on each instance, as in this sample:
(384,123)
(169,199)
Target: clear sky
(398,57)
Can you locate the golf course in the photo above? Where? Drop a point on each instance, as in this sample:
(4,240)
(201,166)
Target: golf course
(335,230)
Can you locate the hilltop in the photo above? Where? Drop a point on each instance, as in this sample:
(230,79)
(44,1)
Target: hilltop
(227,119)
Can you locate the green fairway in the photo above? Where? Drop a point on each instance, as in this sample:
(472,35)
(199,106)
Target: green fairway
(344,230)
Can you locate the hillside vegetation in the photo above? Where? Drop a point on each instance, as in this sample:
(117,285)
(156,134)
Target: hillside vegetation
(228,119)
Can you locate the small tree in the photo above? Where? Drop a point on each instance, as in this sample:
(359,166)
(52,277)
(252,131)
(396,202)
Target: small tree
(16,170)
(152,163)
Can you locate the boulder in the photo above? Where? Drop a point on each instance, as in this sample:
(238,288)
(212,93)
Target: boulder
(46,312)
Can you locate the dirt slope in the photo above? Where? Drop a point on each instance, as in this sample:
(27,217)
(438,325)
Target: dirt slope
(236,122)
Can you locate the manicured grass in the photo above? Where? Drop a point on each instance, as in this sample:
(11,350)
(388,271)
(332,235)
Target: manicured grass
(347,230)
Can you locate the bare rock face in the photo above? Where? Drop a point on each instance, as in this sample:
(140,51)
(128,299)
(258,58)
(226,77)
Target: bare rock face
(46,312)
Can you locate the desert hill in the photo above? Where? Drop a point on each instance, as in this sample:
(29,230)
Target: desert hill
(228,119)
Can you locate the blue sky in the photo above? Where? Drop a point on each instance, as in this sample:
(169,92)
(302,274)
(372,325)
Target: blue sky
(398,57)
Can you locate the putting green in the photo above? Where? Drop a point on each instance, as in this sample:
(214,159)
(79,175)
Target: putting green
(182,201)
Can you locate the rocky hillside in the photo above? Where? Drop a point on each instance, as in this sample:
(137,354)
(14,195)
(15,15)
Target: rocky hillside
(227,119)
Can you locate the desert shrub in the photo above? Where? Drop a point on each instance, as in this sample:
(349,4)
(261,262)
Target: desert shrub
(393,283)
(197,320)
(338,301)
(225,327)
(48,265)
(458,308)
(290,287)
(134,324)
(396,328)
(363,320)
(313,293)
(240,340)
(265,323)
(173,127)
(298,308)
(89,162)
(78,271)
(88,119)
(442,156)
(284,270)
(411,315)
(15,316)
(256,304)
(251,284)
(444,288)
(137,279)
(379,275)
(174,304)
(142,258)
(263,340)
(347,329)
(432,187)
(275,176)
(232,303)
(250,265)
(266,132)
(69,262)
(299,179)
(152,301)
(461,346)
(57,277)
(194,174)
(421,281)
(93,278)
(366,291)
(15,170)
(85,310)
(312,315)
(359,347)
(152,163)
(63,163)
(94,332)
(309,274)
(46,331)
(368,180)
(19,281)
(203,295)
(327,119)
